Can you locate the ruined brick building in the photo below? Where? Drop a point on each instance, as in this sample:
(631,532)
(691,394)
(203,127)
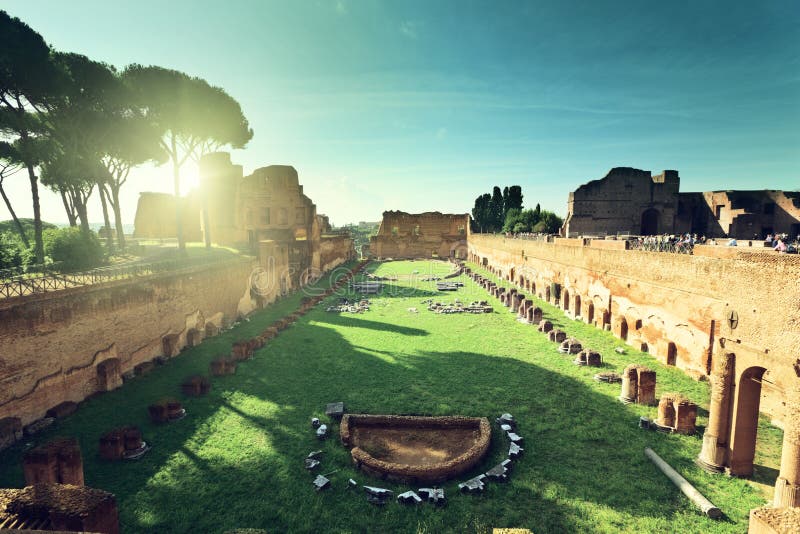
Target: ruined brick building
(632,201)
(421,235)
(266,212)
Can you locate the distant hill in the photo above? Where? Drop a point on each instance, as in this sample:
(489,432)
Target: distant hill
(27,225)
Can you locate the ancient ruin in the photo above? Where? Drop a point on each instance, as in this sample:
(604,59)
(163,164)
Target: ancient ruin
(727,325)
(265,211)
(422,235)
(415,449)
(632,201)
(58,507)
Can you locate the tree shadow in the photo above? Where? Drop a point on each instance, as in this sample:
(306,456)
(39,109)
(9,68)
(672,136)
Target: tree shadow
(357,322)
(237,459)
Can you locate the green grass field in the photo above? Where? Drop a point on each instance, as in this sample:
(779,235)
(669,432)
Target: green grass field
(236,460)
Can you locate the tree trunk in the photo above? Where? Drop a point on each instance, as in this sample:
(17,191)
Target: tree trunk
(69,209)
(117,216)
(37,216)
(106,220)
(79,201)
(176,175)
(206,227)
(20,230)
(83,216)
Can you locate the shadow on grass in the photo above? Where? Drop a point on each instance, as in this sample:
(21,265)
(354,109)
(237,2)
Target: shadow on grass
(357,322)
(237,459)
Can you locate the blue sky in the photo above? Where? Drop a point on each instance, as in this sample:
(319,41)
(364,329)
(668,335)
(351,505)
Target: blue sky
(424,105)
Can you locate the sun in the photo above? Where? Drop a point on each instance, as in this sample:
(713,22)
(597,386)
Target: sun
(190,177)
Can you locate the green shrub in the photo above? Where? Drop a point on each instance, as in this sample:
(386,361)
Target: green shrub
(10,251)
(73,249)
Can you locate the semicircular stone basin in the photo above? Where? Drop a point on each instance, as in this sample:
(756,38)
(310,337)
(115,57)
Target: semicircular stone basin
(415,449)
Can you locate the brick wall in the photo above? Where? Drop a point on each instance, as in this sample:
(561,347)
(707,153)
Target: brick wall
(673,299)
(51,344)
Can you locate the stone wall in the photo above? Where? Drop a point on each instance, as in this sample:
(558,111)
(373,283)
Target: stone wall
(626,200)
(685,310)
(66,345)
(632,201)
(420,235)
(335,250)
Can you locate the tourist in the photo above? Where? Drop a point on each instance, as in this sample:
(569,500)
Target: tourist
(780,246)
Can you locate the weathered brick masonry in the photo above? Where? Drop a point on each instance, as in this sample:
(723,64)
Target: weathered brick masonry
(685,310)
(66,345)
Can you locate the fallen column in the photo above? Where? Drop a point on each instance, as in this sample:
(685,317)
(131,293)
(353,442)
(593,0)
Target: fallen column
(690,491)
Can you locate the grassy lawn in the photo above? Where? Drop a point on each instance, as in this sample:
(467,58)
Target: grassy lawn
(236,460)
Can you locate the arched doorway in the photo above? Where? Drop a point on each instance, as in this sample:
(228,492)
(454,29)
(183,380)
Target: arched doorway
(565,300)
(650,219)
(672,353)
(590,313)
(623,329)
(547,293)
(577,308)
(744,429)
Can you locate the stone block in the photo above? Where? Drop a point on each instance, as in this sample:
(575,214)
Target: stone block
(67,508)
(685,416)
(144,368)
(211,330)
(194,337)
(769,520)
(112,445)
(335,410)
(10,431)
(62,410)
(546,327)
(38,425)
(170,345)
(196,386)
(666,410)
(222,367)
(56,462)
(646,387)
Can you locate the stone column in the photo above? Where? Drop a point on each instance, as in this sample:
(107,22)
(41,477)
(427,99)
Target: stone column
(713,456)
(630,377)
(787,487)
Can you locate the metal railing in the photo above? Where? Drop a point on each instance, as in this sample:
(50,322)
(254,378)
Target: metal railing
(28,284)
(660,245)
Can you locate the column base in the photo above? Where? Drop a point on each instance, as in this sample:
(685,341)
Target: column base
(787,495)
(711,468)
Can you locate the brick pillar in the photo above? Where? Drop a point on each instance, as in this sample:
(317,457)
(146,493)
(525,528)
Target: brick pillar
(714,454)
(787,487)
(685,416)
(666,410)
(646,392)
(58,462)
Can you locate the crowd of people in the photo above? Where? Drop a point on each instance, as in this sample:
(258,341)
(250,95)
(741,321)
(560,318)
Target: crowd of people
(684,243)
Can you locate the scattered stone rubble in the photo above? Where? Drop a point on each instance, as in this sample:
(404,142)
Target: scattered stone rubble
(346,306)
(458,307)
(589,358)
(500,472)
